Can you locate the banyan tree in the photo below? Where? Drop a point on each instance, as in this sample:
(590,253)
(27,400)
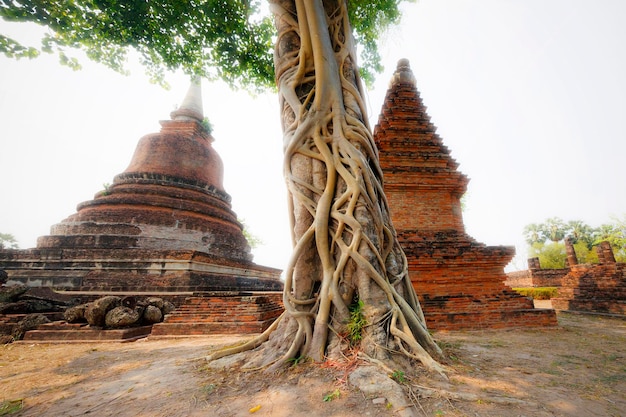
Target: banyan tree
(346,283)
(346,264)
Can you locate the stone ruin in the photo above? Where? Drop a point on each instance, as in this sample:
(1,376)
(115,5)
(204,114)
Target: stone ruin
(589,288)
(459,281)
(594,288)
(164,227)
(536,276)
(165,224)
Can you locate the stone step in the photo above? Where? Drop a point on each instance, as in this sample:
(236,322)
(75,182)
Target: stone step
(202,329)
(496,319)
(62,325)
(8,322)
(220,311)
(212,318)
(87,335)
(229,303)
(204,314)
(11,318)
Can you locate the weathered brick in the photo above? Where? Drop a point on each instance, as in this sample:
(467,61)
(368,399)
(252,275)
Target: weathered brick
(459,281)
(594,288)
(165,224)
(228,314)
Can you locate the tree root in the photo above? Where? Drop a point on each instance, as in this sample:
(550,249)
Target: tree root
(249,345)
(345,247)
(427,392)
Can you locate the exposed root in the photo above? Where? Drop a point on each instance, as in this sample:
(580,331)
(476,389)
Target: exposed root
(249,345)
(345,247)
(427,392)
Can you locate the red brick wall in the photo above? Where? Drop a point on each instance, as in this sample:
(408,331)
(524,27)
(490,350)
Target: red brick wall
(424,210)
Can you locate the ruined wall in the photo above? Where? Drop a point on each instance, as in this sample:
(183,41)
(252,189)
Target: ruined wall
(595,288)
(519,279)
(535,276)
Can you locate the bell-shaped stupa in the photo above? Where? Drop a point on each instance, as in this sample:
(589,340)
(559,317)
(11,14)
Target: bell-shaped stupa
(164,224)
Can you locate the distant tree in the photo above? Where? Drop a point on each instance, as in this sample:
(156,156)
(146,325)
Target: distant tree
(533,234)
(551,255)
(554,229)
(579,231)
(585,253)
(584,237)
(253,240)
(615,234)
(8,241)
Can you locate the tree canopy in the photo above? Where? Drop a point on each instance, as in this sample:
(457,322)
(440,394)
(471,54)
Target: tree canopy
(545,240)
(230,40)
(8,241)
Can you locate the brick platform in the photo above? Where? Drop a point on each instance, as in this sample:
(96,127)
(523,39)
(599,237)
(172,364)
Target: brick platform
(63,332)
(459,281)
(214,313)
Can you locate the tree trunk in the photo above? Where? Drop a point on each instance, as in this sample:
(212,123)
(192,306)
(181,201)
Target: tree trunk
(345,247)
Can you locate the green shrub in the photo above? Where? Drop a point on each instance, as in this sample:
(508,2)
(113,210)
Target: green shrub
(357,323)
(538,293)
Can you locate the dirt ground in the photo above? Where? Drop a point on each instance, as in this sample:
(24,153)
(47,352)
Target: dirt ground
(577,369)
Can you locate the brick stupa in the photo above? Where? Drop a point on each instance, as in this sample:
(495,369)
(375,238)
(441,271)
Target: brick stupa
(164,225)
(460,282)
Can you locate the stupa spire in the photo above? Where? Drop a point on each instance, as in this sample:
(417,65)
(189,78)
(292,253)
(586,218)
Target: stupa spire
(191,108)
(416,158)
(403,73)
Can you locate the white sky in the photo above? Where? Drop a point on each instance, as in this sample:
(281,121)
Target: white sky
(530,97)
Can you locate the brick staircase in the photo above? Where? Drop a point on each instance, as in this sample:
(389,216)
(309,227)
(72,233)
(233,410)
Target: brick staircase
(221,313)
(8,322)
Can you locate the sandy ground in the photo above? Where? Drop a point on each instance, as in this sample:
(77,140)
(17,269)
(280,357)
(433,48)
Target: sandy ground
(577,369)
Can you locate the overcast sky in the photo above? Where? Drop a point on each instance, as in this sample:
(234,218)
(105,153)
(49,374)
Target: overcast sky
(530,97)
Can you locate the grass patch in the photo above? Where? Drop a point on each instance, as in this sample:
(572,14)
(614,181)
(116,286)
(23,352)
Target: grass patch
(494,343)
(568,360)
(443,345)
(399,377)
(332,395)
(538,293)
(9,407)
(298,360)
(612,379)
